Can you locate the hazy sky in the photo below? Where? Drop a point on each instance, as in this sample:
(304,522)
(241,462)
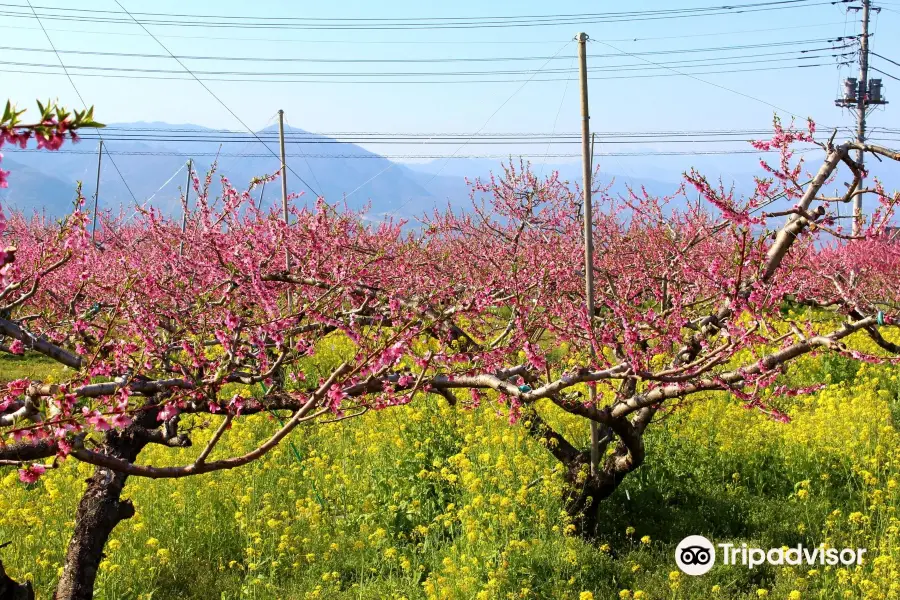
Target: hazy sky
(665,102)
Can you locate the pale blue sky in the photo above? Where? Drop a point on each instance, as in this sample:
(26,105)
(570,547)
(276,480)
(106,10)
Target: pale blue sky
(621,104)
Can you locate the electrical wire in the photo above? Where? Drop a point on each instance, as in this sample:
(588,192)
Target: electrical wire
(791,55)
(884,58)
(80,97)
(281,59)
(219,100)
(426,23)
(308,166)
(491,18)
(569,140)
(556,119)
(382,81)
(434,42)
(151,132)
(416,156)
(153,195)
(693,76)
(485,124)
(884,73)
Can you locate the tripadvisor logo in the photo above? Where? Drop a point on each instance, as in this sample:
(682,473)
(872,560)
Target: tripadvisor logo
(696,555)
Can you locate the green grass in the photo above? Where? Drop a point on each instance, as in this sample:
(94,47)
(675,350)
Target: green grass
(30,366)
(429,501)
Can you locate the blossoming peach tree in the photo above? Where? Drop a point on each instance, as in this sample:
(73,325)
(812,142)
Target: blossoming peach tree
(154,322)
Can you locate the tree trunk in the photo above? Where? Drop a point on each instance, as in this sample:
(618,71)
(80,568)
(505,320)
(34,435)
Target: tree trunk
(586,498)
(12,590)
(586,491)
(100,510)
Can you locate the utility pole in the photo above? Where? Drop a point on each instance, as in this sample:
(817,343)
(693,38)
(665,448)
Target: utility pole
(861,109)
(284,200)
(97,193)
(184,211)
(860,95)
(587,156)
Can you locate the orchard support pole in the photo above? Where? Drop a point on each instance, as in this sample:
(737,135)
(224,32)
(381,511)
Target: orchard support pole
(586,156)
(97,193)
(284,200)
(184,210)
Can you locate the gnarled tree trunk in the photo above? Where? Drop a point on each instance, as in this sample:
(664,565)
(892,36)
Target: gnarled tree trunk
(102,507)
(588,490)
(12,590)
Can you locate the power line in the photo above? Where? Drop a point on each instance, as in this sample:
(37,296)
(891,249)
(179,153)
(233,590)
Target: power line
(814,41)
(203,131)
(295,40)
(382,81)
(452,140)
(884,58)
(884,73)
(758,58)
(308,166)
(453,19)
(309,187)
(426,23)
(485,124)
(417,156)
(693,76)
(80,97)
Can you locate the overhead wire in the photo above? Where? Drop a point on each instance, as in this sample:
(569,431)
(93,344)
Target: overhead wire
(153,195)
(556,118)
(884,58)
(80,97)
(435,42)
(428,23)
(884,73)
(487,121)
(693,76)
(420,156)
(480,18)
(383,81)
(728,61)
(669,51)
(219,100)
(308,166)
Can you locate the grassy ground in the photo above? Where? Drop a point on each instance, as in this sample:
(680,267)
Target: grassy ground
(428,501)
(33,366)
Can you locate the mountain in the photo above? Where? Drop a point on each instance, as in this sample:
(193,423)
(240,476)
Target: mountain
(33,190)
(46,181)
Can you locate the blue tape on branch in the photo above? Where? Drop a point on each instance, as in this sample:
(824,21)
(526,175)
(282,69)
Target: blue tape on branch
(880,317)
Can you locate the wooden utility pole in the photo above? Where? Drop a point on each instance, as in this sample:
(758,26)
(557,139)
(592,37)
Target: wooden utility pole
(97,193)
(184,210)
(861,102)
(284,199)
(586,156)
(861,95)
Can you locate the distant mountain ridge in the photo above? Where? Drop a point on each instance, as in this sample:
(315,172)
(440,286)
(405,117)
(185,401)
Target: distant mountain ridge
(45,181)
(388,185)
